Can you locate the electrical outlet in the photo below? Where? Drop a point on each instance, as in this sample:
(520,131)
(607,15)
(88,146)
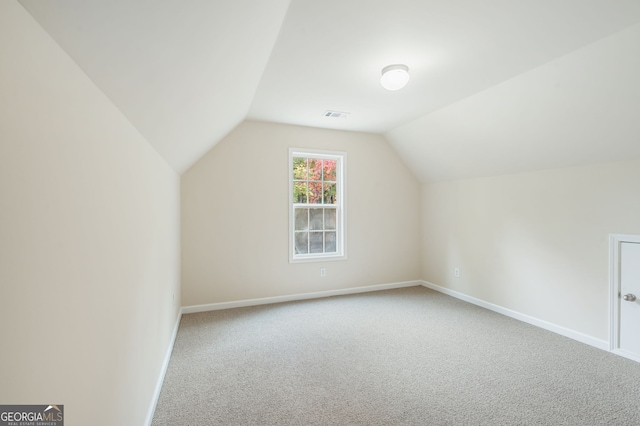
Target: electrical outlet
(456,272)
(323,272)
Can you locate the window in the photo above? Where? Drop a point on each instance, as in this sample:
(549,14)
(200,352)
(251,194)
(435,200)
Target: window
(316,214)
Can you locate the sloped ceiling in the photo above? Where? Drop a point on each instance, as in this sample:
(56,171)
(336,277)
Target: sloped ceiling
(496,86)
(184,72)
(582,108)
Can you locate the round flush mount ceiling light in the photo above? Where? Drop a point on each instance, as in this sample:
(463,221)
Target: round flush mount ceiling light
(394,77)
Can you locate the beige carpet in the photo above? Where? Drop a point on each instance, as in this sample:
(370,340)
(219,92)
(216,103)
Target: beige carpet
(400,357)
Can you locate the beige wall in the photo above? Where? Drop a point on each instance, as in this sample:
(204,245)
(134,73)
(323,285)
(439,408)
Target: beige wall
(89,239)
(536,243)
(235,217)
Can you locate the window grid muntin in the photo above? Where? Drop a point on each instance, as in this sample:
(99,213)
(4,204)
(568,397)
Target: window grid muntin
(322,182)
(331,237)
(324,230)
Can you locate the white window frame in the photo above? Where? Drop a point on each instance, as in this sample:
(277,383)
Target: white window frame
(341,229)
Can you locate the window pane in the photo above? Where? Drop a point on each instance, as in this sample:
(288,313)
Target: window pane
(300,168)
(316,180)
(329,218)
(330,196)
(315,169)
(329,170)
(315,219)
(300,192)
(330,242)
(315,242)
(302,220)
(301,242)
(315,192)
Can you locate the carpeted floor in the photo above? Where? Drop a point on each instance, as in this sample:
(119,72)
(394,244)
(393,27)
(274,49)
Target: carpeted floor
(409,356)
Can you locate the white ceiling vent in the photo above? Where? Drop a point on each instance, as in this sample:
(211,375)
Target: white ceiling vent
(336,114)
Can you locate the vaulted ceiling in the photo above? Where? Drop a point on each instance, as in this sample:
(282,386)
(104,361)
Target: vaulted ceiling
(496,86)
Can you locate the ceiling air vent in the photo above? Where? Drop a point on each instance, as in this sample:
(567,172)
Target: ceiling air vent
(336,114)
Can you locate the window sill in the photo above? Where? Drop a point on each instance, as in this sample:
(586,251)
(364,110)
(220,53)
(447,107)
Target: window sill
(324,258)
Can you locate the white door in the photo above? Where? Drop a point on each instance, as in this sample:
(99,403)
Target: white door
(630,299)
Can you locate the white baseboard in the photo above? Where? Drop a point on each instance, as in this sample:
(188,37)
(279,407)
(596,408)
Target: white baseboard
(625,354)
(563,331)
(163,372)
(293,297)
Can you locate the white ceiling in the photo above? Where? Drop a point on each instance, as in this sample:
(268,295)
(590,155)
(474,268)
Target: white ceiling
(582,108)
(184,72)
(484,75)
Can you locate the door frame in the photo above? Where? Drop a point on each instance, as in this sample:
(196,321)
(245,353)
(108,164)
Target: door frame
(615,240)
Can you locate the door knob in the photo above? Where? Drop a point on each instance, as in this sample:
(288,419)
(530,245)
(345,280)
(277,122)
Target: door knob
(629,297)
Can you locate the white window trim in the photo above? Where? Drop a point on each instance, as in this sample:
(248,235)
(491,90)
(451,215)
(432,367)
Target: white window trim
(341,217)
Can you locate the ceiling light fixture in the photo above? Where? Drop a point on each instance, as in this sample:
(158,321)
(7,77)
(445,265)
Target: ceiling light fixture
(394,77)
